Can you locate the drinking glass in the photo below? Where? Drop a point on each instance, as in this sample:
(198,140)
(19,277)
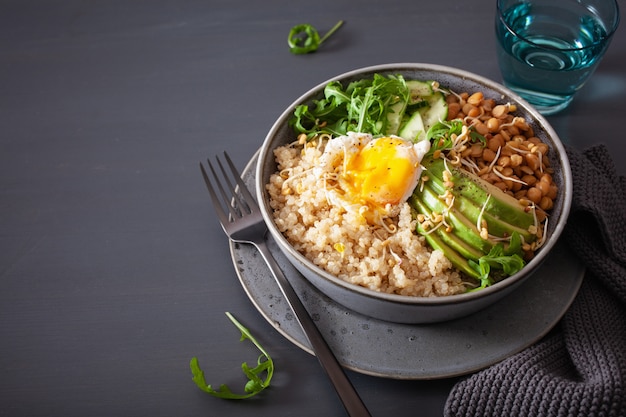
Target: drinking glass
(548,49)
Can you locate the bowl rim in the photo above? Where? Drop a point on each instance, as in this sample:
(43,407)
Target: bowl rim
(312,93)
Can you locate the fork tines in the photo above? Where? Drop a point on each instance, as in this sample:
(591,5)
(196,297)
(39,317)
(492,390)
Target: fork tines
(237,203)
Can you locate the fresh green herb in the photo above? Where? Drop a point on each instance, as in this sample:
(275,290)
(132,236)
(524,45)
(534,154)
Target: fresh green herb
(441,134)
(304,38)
(362,106)
(477,137)
(255,383)
(508,260)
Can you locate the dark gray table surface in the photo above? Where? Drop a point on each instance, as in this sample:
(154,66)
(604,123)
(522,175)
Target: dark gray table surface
(113,270)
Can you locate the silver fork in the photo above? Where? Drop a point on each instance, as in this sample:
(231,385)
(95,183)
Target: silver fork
(244,223)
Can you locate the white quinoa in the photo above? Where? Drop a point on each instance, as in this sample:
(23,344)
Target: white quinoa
(343,244)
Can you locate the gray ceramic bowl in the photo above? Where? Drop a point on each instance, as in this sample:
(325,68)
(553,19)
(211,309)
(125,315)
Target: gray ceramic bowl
(406,309)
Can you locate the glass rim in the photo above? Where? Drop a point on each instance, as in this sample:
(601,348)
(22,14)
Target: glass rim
(604,38)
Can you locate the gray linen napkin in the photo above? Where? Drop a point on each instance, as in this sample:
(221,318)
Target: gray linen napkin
(579,368)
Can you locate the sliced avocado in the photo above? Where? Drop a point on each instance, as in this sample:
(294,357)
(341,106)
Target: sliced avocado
(455,258)
(497,226)
(500,206)
(462,227)
(449,238)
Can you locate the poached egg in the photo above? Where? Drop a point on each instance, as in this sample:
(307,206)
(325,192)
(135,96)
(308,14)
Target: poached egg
(372,176)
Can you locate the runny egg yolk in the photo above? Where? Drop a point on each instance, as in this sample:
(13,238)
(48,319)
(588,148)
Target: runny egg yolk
(383,172)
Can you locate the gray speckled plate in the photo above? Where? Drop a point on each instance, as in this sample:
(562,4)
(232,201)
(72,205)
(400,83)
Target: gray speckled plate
(408,351)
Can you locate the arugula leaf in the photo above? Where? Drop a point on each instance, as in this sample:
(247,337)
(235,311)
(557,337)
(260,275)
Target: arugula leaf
(255,383)
(477,137)
(508,260)
(362,106)
(304,38)
(440,134)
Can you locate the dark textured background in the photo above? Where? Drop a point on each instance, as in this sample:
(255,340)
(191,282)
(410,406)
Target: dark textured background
(113,271)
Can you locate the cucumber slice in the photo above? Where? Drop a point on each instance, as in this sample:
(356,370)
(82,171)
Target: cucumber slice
(418,90)
(436,111)
(413,129)
(394,117)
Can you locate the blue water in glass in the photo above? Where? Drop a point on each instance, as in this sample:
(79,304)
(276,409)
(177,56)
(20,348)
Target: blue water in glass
(549,59)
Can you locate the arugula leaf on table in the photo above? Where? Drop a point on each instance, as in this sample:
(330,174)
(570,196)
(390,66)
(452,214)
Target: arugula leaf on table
(304,38)
(255,383)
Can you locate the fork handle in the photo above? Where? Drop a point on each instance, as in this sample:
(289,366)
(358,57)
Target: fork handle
(348,395)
